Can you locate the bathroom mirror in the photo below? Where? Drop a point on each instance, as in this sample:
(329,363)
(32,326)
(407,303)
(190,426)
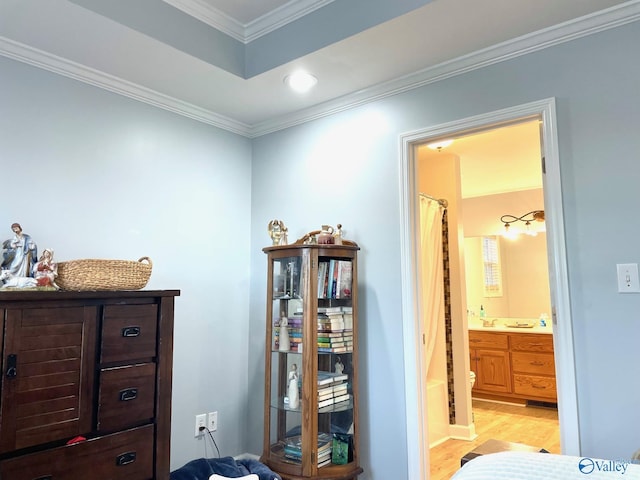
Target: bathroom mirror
(525,277)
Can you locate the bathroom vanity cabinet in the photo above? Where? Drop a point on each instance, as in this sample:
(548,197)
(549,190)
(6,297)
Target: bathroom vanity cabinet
(513,365)
(86,384)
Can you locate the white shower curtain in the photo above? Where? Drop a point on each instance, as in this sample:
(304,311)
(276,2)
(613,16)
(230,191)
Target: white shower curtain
(431,274)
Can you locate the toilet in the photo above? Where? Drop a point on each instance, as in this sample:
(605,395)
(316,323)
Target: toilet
(472,378)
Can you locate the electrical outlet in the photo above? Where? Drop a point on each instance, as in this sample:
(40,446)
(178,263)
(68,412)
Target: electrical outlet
(201,422)
(212,421)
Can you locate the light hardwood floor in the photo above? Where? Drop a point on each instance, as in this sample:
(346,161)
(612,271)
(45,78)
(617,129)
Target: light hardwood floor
(535,426)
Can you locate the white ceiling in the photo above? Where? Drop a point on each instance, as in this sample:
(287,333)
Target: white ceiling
(436,40)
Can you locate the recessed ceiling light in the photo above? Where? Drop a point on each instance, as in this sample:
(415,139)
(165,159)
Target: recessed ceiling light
(300,81)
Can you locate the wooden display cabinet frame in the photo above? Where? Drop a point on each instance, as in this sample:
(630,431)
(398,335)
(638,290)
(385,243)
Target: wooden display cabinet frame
(309,255)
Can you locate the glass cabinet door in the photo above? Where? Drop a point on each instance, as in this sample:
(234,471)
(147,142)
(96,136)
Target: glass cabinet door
(335,363)
(287,364)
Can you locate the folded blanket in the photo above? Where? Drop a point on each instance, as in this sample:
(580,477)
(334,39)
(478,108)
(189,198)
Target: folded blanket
(203,468)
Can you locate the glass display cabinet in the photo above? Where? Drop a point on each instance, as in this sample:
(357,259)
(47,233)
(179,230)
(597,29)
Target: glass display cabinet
(311,362)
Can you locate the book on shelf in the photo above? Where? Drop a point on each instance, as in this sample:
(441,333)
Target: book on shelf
(342,349)
(335,278)
(326,402)
(331,378)
(293,447)
(342,398)
(340,389)
(344,278)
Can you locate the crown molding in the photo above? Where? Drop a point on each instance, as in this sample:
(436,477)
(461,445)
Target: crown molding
(613,17)
(46,61)
(610,18)
(245,33)
(279,17)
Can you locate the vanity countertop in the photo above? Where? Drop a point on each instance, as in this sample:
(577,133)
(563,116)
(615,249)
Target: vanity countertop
(501,325)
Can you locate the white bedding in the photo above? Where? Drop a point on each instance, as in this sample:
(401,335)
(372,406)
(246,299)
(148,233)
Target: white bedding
(545,466)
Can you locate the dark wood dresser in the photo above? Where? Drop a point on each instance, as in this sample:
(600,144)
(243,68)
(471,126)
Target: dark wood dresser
(96,365)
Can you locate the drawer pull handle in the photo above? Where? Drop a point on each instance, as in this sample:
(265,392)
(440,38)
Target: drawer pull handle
(539,387)
(128,394)
(12,370)
(131,332)
(475,340)
(537,363)
(125,459)
(46,477)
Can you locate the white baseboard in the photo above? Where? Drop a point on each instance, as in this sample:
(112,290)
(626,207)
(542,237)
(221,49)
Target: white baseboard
(463,432)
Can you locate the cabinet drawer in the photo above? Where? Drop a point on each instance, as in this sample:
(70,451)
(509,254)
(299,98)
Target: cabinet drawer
(126,396)
(534,386)
(536,363)
(128,332)
(530,342)
(498,341)
(127,455)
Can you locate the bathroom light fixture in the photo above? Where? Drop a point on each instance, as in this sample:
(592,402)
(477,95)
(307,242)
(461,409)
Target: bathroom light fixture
(439,145)
(527,218)
(300,82)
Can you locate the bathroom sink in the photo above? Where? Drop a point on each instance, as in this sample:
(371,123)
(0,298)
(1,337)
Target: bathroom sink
(521,325)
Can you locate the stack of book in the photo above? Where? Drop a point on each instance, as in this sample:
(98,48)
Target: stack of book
(335,329)
(334,279)
(332,389)
(293,449)
(335,342)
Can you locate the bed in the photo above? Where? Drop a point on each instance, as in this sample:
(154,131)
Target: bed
(545,466)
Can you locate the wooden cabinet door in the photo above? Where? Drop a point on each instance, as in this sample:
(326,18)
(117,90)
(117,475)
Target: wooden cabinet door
(48,370)
(493,373)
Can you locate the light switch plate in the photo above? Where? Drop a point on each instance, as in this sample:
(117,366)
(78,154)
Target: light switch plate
(628,281)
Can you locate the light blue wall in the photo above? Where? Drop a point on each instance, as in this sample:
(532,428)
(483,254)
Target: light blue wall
(345,169)
(96,175)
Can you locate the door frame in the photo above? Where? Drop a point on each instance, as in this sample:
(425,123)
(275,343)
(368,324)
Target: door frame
(415,380)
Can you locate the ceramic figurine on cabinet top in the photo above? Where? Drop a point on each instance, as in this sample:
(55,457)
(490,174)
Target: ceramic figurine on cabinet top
(278,232)
(19,253)
(9,280)
(46,270)
(325,237)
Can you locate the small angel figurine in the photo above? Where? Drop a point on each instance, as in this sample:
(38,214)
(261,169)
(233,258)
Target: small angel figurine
(278,232)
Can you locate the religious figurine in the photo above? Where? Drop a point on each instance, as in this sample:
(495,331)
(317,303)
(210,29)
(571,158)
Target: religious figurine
(20,253)
(46,270)
(339,366)
(337,235)
(278,232)
(292,391)
(284,344)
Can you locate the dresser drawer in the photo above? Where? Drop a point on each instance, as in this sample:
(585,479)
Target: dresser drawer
(530,342)
(127,454)
(126,396)
(536,363)
(128,332)
(534,386)
(490,340)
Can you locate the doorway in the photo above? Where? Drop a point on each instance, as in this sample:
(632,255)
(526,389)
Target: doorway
(416,402)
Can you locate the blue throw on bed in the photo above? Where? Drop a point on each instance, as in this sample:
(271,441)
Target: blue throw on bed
(203,468)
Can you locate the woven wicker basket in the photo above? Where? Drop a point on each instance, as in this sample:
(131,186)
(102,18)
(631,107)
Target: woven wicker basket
(91,274)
